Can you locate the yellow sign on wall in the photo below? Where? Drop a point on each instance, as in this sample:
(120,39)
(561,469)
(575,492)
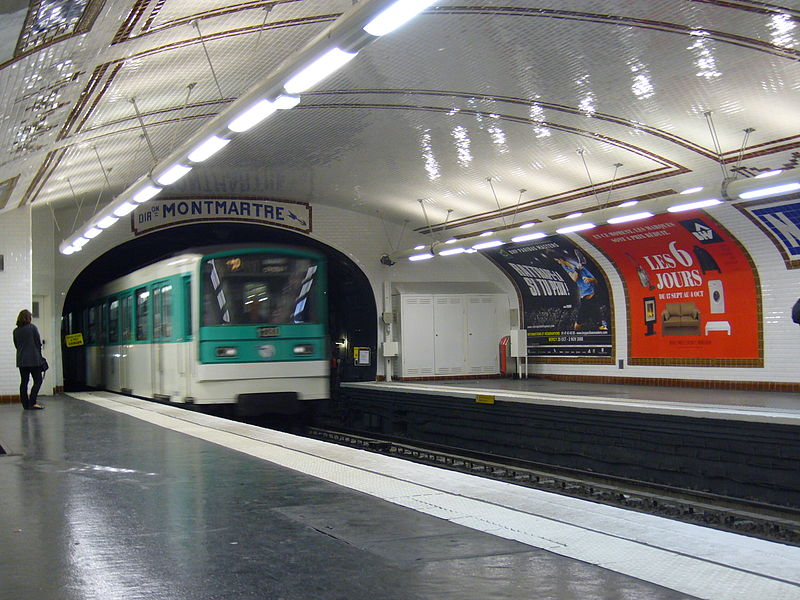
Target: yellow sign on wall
(74,339)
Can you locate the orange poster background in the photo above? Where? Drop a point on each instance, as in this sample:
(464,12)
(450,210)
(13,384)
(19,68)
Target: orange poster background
(700,289)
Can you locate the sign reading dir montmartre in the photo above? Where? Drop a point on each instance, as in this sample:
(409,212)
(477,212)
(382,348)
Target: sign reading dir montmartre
(163,213)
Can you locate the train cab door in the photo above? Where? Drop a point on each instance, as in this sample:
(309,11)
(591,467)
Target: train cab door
(162,333)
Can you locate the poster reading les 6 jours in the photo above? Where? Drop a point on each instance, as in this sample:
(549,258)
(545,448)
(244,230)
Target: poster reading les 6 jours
(693,296)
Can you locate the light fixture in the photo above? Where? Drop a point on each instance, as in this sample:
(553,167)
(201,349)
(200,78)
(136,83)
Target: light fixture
(416,257)
(529,236)
(252,116)
(573,228)
(395,15)
(574,215)
(322,67)
(692,190)
(693,205)
(92,233)
(285,102)
(124,209)
(451,241)
(68,250)
(79,242)
(632,217)
(207,149)
(766,174)
(487,233)
(107,222)
(774,190)
(173,174)
(144,194)
(629,203)
(526,225)
(420,247)
(489,244)
(451,251)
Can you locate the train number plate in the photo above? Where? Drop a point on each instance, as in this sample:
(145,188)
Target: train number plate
(268,332)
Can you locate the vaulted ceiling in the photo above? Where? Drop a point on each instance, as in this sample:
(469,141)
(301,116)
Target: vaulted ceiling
(474,114)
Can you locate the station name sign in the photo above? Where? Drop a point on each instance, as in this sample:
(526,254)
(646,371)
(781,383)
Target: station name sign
(163,213)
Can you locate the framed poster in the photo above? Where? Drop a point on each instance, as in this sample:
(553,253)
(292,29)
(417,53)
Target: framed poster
(564,298)
(693,297)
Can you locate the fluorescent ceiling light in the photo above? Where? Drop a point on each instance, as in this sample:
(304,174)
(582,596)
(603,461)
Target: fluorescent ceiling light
(771,191)
(68,250)
(529,236)
(451,241)
(173,174)
(252,116)
(425,256)
(79,243)
(766,174)
(395,15)
(526,225)
(107,222)
(693,205)
(486,233)
(420,247)
(692,190)
(489,244)
(92,233)
(285,102)
(207,149)
(632,217)
(124,209)
(450,251)
(574,215)
(144,194)
(572,228)
(328,63)
(630,203)
(470,251)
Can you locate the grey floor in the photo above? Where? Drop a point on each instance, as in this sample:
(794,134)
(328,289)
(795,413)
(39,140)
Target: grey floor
(98,504)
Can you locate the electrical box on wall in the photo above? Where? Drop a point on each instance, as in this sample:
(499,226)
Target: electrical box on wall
(391,349)
(519,343)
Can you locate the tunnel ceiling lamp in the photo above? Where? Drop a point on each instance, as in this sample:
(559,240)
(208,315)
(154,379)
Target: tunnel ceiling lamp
(252,116)
(327,64)
(452,251)
(173,174)
(146,193)
(766,174)
(423,256)
(124,209)
(107,221)
(629,203)
(693,190)
(92,233)
(574,215)
(632,217)
(529,236)
(208,148)
(574,228)
(775,190)
(694,205)
(526,225)
(489,244)
(395,16)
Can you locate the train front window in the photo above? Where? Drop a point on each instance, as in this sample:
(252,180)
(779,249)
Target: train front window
(259,288)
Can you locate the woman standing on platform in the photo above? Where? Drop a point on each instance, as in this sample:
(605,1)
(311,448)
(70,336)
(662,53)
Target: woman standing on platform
(29,359)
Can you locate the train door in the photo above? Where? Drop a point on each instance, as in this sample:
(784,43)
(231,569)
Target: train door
(125,340)
(40,311)
(162,366)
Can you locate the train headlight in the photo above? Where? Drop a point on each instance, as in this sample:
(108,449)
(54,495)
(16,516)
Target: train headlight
(303,349)
(227,352)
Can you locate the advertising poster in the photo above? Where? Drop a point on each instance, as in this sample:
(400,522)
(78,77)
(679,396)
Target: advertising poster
(692,294)
(780,220)
(564,298)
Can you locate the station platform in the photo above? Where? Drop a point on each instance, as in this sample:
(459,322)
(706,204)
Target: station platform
(107,496)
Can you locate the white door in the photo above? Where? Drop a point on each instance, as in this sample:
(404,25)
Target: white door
(44,323)
(482,340)
(449,335)
(416,336)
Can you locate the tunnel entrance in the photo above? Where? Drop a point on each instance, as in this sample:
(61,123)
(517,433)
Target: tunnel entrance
(352,316)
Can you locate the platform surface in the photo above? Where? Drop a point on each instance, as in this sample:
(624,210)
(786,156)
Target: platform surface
(767,407)
(112,497)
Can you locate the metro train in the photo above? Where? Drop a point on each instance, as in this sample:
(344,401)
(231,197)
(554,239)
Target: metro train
(222,326)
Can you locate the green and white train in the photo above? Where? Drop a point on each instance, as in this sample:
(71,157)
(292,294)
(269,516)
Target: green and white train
(217,326)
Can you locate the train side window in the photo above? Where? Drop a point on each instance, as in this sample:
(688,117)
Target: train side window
(166,311)
(187,306)
(126,318)
(142,314)
(92,324)
(157,313)
(113,321)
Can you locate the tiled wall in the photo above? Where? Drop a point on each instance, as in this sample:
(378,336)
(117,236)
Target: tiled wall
(15,291)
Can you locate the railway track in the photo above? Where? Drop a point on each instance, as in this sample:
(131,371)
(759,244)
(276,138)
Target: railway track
(755,519)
